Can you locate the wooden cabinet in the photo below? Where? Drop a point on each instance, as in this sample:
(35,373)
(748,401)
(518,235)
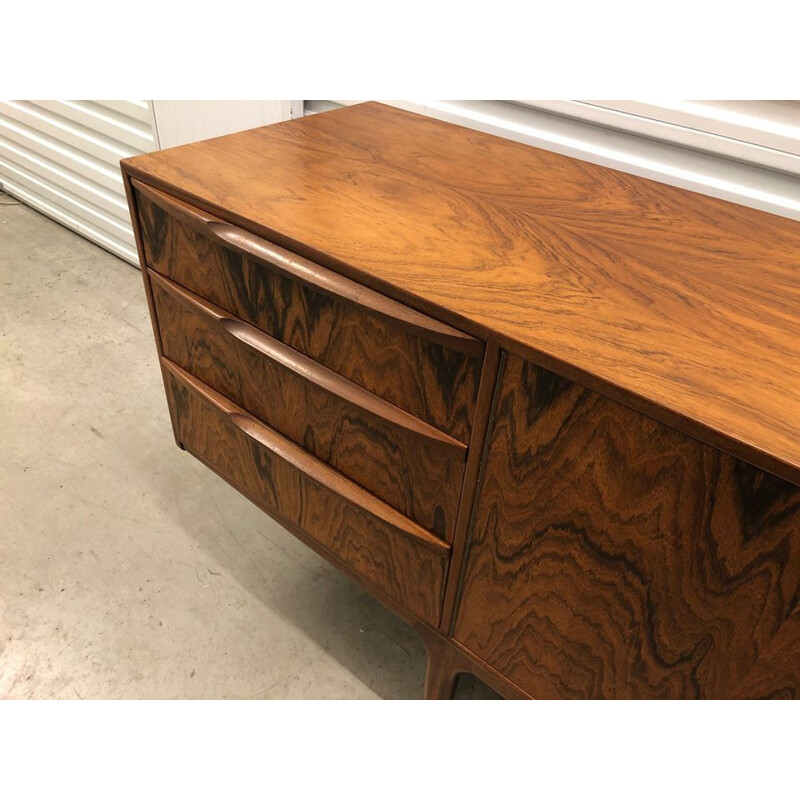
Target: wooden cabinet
(545,411)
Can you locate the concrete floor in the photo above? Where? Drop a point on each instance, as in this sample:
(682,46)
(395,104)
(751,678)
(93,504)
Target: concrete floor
(128,570)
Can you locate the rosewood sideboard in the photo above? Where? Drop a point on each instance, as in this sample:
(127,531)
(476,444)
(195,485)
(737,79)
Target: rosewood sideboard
(547,412)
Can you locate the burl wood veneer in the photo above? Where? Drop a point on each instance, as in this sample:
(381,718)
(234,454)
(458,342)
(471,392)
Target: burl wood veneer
(547,412)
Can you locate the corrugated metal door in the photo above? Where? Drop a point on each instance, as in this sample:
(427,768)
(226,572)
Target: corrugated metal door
(62,158)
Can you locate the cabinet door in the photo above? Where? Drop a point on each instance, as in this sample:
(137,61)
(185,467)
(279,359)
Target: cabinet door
(611,556)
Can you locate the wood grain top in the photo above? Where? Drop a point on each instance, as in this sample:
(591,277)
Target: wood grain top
(683,306)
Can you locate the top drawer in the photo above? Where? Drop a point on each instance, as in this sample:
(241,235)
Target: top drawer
(421,365)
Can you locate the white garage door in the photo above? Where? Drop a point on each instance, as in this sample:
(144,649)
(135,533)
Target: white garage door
(62,158)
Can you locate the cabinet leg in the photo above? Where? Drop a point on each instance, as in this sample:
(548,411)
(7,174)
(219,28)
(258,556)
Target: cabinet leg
(442,675)
(440,681)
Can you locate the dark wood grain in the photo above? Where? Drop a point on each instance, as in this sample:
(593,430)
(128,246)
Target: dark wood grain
(401,359)
(387,549)
(412,466)
(611,556)
(683,306)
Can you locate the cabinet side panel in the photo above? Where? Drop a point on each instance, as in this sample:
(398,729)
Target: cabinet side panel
(141,249)
(611,556)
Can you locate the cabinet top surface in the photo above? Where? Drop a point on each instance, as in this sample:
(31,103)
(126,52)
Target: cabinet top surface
(686,306)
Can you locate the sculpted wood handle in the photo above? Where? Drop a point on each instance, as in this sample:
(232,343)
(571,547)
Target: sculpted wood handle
(308,464)
(310,370)
(307,272)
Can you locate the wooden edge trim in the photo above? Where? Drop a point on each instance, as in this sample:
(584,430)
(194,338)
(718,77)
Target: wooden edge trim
(479,481)
(148,289)
(137,235)
(312,371)
(308,464)
(469,489)
(310,273)
(475,454)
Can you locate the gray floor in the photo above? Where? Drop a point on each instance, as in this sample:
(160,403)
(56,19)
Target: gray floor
(128,570)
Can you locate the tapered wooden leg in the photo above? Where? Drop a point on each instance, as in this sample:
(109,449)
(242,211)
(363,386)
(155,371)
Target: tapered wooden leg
(440,681)
(443,671)
(447,662)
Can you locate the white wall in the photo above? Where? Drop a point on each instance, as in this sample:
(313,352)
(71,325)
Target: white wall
(182,121)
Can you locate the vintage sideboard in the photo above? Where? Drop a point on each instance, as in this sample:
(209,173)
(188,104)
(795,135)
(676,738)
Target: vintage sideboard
(547,412)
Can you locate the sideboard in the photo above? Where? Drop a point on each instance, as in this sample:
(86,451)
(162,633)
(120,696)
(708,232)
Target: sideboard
(547,412)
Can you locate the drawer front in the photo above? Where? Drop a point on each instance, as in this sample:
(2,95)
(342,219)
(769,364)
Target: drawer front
(385,548)
(411,465)
(415,362)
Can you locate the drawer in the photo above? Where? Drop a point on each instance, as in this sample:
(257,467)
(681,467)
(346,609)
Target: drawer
(411,465)
(415,362)
(382,546)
